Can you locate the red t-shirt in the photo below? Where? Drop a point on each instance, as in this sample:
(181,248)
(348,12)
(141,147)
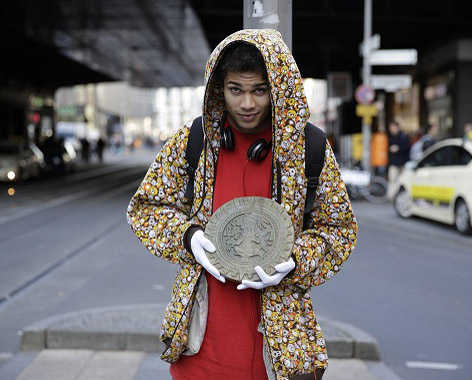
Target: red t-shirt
(232,346)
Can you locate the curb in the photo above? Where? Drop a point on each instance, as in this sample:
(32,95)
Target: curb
(363,345)
(136,328)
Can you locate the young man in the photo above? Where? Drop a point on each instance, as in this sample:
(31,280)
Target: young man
(398,153)
(265,329)
(424,142)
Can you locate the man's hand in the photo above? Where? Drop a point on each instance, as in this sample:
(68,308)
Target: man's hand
(199,244)
(282,270)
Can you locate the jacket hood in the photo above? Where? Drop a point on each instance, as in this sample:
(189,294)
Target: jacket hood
(290,114)
(289,105)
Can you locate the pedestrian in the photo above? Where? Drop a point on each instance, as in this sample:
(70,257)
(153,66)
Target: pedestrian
(267,329)
(398,153)
(85,148)
(468,131)
(424,142)
(100,147)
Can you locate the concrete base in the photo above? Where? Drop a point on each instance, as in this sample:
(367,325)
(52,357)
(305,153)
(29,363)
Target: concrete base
(136,328)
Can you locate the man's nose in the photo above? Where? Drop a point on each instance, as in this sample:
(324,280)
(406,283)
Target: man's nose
(248,102)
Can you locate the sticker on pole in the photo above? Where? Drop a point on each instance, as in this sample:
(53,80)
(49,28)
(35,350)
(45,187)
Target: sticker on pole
(364,94)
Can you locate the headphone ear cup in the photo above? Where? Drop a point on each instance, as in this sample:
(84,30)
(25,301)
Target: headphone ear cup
(258,150)
(227,138)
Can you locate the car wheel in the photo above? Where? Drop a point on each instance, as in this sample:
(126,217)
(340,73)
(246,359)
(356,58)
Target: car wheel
(462,218)
(403,203)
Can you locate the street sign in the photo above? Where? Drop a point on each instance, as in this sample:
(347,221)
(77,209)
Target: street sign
(364,94)
(340,85)
(373,43)
(367,112)
(393,57)
(390,83)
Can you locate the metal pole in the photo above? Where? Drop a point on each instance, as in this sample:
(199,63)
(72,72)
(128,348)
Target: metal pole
(366,71)
(269,14)
(367,34)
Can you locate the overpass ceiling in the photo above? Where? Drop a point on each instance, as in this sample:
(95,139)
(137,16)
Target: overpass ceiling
(148,43)
(326,33)
(166,42)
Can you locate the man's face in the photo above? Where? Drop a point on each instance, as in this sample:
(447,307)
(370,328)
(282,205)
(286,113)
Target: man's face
(247,97)
(393,128)
(434,130)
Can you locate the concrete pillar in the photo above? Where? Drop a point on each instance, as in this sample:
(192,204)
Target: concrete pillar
(269,14)
(366,71)
(463,97)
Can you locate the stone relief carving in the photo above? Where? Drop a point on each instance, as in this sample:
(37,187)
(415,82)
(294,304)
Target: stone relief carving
(249,232)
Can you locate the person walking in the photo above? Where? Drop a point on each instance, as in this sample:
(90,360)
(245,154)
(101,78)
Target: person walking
(266,329)
(468,131)
(398,153)
(85,149)
(424,142)
(100,148)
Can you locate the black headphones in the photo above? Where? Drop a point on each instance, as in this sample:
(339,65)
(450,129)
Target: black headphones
(257,151)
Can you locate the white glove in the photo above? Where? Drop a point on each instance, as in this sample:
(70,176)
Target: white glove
(199,244)
(282,270)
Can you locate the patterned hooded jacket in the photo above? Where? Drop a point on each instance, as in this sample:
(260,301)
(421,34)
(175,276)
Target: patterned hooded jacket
(158,214)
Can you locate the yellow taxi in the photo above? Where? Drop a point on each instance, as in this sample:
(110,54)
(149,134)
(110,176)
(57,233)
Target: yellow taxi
(438,186)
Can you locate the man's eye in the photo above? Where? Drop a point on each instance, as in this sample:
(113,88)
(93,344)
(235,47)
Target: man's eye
(234,90)
(260,91)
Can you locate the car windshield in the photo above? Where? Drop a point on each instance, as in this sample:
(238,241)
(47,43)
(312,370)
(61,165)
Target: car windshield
(9,149)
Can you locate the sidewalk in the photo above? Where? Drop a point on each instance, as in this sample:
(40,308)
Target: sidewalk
(134,365)
(121,343)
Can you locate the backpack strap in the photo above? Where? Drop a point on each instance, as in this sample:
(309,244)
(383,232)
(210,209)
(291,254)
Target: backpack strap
(315,147)
(315,144)
(192,153)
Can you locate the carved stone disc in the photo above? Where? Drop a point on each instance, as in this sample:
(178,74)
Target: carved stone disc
(249,232)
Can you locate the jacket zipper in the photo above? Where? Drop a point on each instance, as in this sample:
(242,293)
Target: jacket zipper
(266,343)
(183,313)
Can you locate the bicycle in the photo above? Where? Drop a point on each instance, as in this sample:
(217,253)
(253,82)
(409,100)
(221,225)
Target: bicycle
(361,184)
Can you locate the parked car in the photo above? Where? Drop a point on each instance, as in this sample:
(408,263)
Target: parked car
(439,185)
(20,160)
(60,156)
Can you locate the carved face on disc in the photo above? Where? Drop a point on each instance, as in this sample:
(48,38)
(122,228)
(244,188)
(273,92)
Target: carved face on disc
(249,232)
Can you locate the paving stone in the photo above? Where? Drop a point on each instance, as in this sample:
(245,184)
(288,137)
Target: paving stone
(112,366)
(57,365)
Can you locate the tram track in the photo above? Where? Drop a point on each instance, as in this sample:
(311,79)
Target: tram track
(100,190)
(98,185)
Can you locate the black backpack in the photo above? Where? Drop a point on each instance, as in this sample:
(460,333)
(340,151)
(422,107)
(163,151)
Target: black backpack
(314,160)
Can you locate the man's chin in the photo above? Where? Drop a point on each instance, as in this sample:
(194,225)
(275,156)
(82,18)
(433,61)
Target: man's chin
(248,127)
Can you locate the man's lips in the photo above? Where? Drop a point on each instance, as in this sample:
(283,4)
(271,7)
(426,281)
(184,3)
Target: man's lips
(248,117)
